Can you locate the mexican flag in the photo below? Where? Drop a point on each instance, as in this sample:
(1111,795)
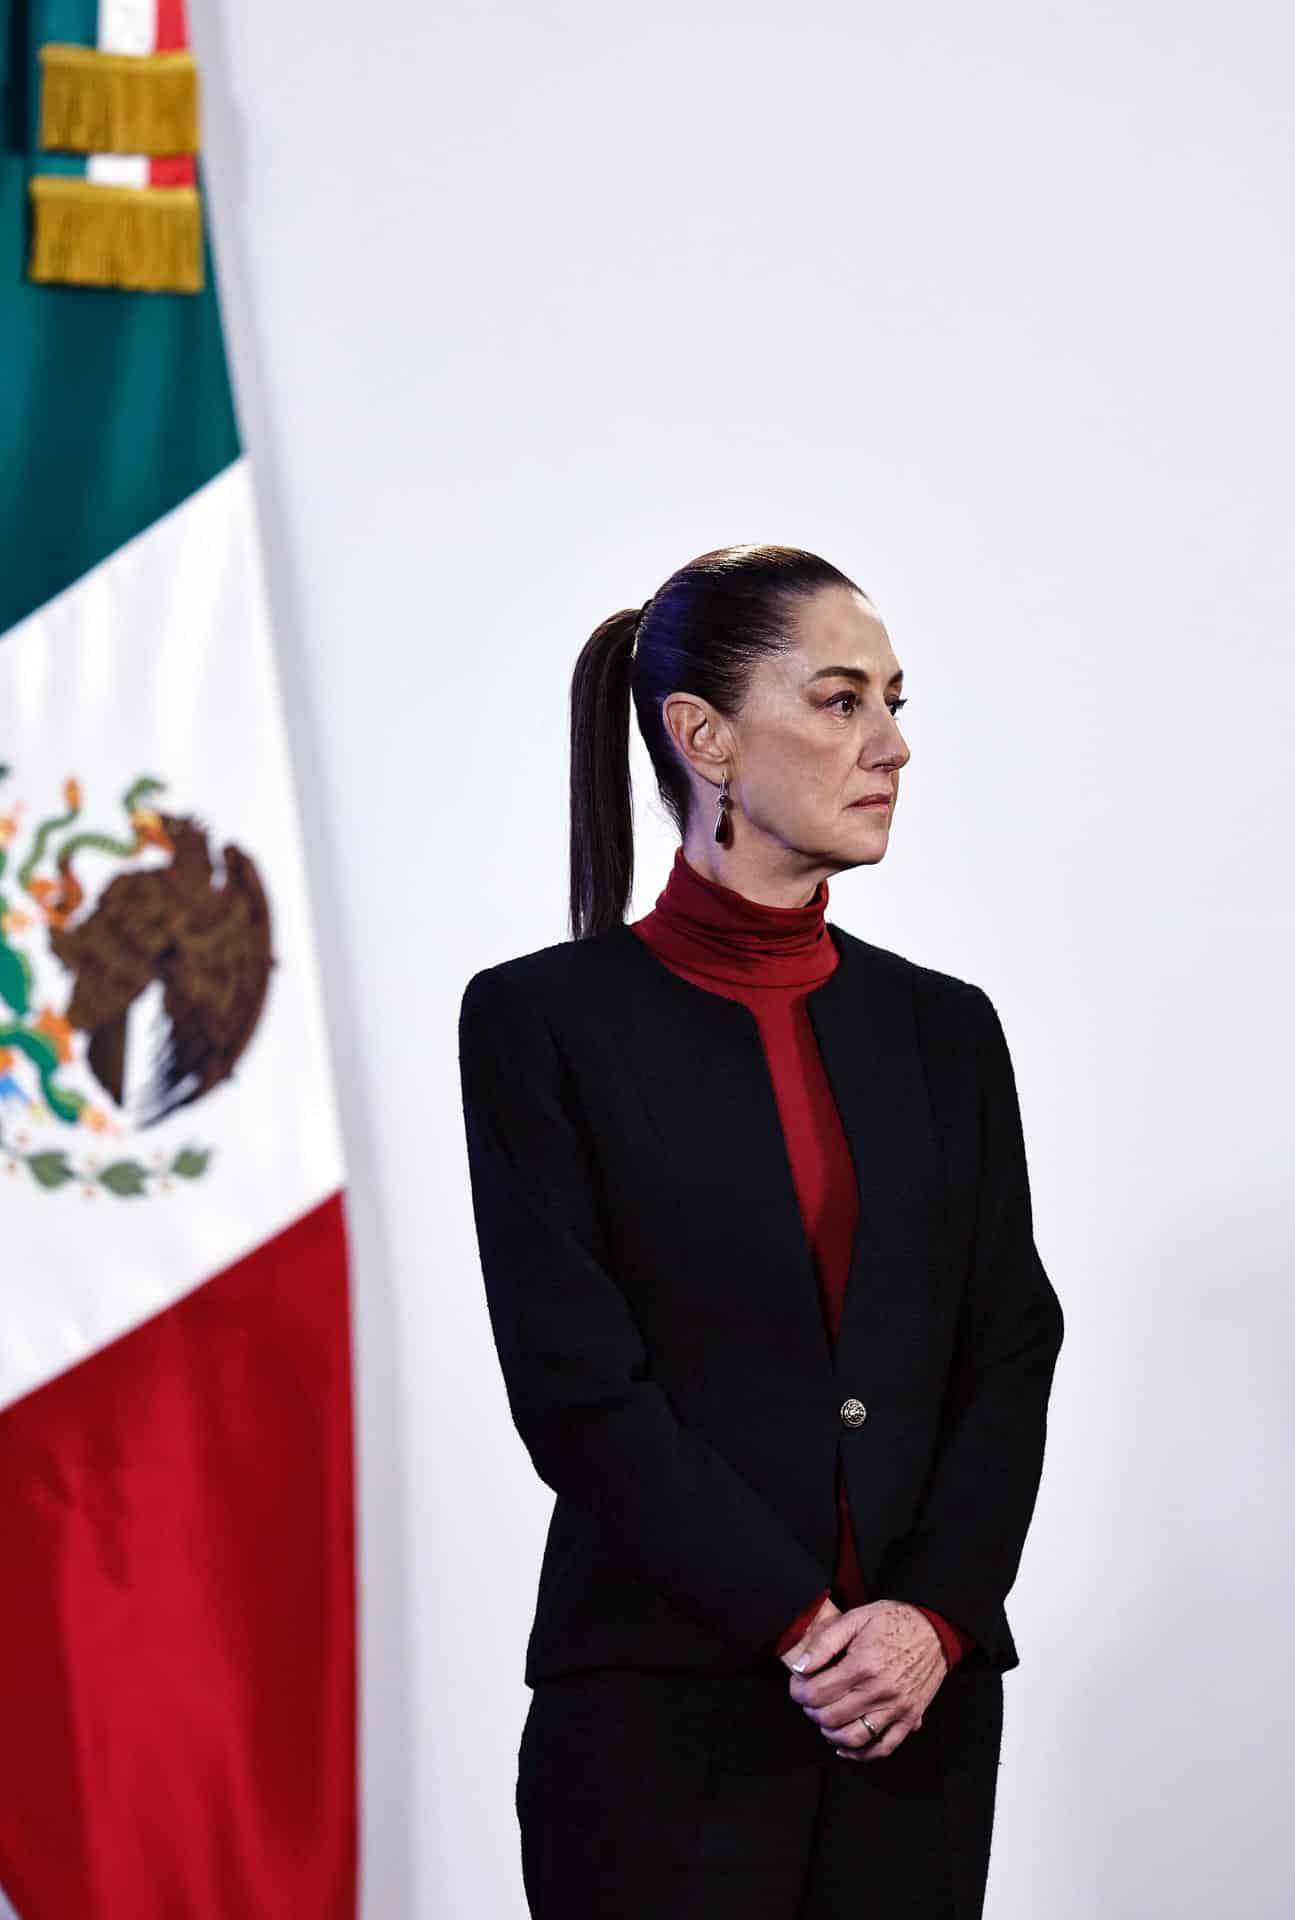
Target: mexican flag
(177,1617)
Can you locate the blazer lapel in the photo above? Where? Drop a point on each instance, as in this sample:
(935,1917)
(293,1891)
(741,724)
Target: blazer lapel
(865,1022)
(702,1075)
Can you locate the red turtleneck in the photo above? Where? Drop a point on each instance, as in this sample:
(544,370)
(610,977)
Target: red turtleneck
(771,959)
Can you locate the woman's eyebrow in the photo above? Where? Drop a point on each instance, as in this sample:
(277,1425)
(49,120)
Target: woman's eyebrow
(854,673)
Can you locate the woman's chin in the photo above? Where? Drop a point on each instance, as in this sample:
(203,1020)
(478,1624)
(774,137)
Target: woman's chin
(863,848)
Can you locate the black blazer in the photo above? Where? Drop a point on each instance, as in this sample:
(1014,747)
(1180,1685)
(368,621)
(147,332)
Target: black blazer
(656,1310)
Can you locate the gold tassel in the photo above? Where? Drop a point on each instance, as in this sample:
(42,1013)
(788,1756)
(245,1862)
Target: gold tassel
(148,239)
(94,102)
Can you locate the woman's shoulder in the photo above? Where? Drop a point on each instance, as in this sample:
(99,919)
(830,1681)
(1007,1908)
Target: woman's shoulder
(566,971)
(932,987)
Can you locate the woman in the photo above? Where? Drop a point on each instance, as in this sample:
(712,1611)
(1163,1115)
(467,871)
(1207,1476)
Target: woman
(754,1219)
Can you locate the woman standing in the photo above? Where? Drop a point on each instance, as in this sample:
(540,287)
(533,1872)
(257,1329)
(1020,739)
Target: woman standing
(754,1219)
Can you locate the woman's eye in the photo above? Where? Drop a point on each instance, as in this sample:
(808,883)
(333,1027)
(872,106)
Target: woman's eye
(853,698)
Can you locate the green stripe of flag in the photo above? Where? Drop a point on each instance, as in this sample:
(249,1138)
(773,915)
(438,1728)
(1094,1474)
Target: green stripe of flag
(114,407)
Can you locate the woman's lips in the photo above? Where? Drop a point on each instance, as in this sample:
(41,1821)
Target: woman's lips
(873,800)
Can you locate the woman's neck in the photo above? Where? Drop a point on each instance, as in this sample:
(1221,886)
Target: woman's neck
(727,867)
(713,929)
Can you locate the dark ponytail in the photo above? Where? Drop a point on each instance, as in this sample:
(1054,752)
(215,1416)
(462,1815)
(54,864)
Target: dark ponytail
(701,632)
(602,804)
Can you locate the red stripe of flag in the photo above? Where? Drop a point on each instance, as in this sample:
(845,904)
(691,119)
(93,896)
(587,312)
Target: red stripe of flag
(171,170)
(172,27)
(177,1612)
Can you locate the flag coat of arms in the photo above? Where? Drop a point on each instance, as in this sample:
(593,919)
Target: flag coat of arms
(177,1638)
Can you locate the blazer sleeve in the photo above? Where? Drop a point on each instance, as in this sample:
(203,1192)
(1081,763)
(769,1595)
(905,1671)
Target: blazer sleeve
(600,1430)
(792,1632)
(962,1555)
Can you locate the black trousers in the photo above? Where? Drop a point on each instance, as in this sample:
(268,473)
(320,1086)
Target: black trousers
(677,1796)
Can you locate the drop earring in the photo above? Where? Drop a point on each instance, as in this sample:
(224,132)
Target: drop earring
(723,825)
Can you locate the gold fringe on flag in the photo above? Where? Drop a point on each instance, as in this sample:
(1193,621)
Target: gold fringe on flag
(147,239)
(94,102)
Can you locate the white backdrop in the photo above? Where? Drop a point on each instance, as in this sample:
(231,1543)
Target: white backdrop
(992,306)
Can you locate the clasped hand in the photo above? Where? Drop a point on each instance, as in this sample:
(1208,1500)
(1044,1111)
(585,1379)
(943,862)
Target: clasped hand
(883,1659)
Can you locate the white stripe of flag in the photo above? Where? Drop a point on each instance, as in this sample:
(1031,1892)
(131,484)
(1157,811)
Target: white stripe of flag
(125,26)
